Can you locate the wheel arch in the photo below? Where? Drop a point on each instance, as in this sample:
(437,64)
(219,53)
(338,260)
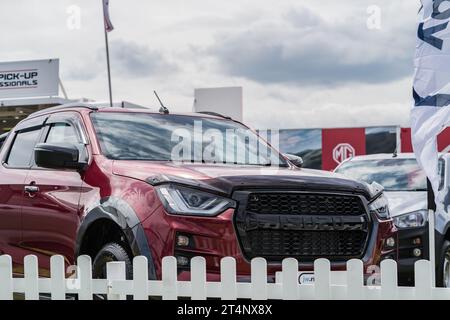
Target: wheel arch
(115,213)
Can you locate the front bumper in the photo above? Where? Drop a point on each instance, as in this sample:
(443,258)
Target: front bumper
(215,238)
(407,243)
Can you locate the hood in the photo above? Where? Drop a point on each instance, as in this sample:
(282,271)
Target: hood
(406,201)
(225,179)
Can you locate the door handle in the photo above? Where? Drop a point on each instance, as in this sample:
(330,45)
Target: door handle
(31,190)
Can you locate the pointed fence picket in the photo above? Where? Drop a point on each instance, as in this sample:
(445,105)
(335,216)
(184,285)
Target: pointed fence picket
(81,285)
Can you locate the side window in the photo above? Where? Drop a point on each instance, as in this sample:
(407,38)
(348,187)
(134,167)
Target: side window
(62,133)
(22,149)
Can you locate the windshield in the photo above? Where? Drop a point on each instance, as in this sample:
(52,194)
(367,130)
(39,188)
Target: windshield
(393,174)
(158,137)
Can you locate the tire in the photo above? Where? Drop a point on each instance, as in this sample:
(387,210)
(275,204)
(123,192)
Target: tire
(443,266)
(111,252)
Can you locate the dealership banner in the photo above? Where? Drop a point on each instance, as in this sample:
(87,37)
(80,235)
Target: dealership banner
(325,148)
(443,140)
(339,145)
(34,78)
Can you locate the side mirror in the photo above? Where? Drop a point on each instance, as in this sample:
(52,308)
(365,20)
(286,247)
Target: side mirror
(57,156)
(295,160)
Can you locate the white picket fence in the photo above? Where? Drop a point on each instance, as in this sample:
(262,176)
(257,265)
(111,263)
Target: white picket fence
(115,287)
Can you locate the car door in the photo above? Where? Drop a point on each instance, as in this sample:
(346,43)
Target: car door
(15,156)
(51,205)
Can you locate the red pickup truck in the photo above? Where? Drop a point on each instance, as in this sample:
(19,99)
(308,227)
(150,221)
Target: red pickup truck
(84,180)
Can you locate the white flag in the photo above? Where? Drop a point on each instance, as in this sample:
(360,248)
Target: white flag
(431,112)
(108,24)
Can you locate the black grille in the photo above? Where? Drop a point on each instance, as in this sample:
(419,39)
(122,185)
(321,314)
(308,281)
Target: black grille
(276,245)
(301,225)
(304,204)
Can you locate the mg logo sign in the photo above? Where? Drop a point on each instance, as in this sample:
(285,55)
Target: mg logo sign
(342,152)
(340,144)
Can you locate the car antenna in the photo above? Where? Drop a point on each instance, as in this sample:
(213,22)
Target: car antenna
(163,108)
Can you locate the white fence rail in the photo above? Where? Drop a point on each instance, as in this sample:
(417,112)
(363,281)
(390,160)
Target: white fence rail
(115,287)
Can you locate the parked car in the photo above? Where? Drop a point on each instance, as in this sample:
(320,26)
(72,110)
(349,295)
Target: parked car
(82,180)
(406,189)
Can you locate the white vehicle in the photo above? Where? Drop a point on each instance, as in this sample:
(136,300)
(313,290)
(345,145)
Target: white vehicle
(406,189)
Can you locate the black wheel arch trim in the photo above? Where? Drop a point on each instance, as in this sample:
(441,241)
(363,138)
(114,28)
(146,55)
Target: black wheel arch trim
(121,213)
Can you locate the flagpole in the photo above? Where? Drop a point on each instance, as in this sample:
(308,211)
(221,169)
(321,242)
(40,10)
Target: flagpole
(431,228)
(432,244)
(109,68)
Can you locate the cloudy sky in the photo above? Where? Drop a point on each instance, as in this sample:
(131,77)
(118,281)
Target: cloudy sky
(302,63)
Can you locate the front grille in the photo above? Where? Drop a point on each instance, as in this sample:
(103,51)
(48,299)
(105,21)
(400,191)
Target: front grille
(304,204)
(275,245)
(305,226)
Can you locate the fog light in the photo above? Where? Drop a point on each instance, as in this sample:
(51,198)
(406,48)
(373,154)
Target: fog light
(390,242)
(182,261)
(417,252)
(182,241)
(417,241)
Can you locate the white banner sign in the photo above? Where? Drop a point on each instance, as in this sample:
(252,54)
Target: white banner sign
(431,112)
(227,101)
(37,78)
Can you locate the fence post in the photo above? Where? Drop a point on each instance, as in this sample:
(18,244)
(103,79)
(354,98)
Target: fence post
(6,279)
(355,279)
(85,276)
(289,279)
(198,278)
(115,271)
(228,278)
(423,280)
(31,278)
(140,278)
(259,279)
(389,281)
(322,287)
(169,278)
(58,278)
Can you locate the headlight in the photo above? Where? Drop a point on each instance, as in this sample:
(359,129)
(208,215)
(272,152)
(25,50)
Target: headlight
(411,219)
(186,201)
(380,207)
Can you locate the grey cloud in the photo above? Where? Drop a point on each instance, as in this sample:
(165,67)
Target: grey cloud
(306,50)
(128,59)
(134,60)
(303,18)
(81,73)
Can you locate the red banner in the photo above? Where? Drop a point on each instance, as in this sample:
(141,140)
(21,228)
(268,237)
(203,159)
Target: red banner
(443,140)
(341,144)
(405,138)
